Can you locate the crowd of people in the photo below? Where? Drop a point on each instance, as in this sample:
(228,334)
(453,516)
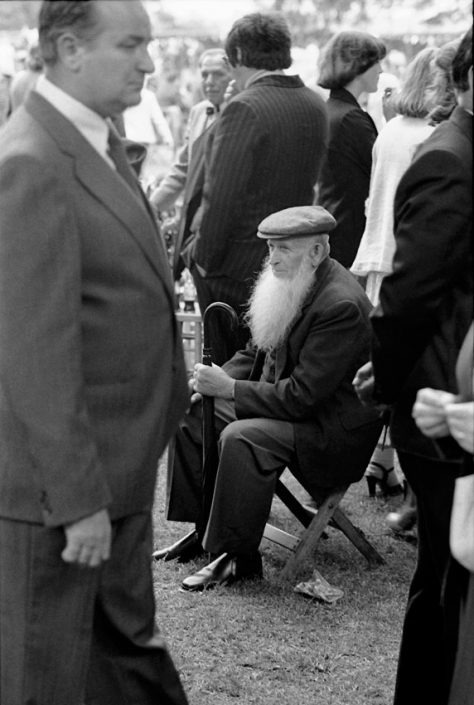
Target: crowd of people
(346,254)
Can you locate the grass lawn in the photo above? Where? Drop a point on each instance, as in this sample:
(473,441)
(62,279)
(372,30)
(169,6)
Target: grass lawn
(260,643)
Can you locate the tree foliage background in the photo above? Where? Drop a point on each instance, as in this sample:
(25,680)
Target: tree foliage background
(319,19)
(310,20)
(15,14)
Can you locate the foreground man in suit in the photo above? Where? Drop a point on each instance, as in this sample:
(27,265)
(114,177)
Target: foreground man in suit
(286,400)
(426,307)
(92,380)
(262,155)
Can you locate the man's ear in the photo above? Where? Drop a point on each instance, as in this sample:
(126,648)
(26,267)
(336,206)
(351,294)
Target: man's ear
(317,254)
(70,51)
(238,55)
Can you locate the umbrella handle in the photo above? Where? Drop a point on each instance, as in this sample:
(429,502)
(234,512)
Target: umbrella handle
(207,315)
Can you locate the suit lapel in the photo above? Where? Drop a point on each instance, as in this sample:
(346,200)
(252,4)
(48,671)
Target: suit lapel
(104,183)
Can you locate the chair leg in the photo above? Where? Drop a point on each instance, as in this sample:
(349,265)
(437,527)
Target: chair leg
(296,508)
(312,534)
(357,537)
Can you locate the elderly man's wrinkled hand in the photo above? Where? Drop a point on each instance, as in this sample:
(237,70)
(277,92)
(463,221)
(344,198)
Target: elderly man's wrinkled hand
(194,396)
(213,381)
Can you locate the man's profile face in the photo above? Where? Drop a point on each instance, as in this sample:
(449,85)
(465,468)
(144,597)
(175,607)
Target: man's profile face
(286,256)
(116,60)
(215,76)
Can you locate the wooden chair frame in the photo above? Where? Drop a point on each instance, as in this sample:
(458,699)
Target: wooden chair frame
(315,523)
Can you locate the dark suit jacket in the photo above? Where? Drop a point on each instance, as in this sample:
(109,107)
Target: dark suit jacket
(262,155)
(92,378)
(345,175)
(335,435)
(426,304)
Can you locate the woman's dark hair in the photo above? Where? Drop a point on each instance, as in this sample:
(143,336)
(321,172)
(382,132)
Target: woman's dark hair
(462,62)
(58,16)
(346,56)
(260,41)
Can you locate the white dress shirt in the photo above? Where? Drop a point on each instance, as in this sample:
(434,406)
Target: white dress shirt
(90,124)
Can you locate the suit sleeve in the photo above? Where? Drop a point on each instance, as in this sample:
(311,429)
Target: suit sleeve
(433,210)
(229,166)
(42,386)
(329,353)
(242,362)
(165,195)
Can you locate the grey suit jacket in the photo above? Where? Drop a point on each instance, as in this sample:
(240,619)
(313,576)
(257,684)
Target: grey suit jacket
(173,184)
(92,379)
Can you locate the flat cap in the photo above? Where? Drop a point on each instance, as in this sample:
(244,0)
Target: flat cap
(296,222)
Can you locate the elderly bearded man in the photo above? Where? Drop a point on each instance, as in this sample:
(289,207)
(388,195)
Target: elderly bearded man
(286,400)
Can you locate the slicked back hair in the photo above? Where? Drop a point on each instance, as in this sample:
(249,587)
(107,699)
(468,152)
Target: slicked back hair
(216,53)
(59,16)
(348,55)
(264,42)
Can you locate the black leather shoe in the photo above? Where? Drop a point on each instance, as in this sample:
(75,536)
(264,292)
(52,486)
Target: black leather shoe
(184,550)
(226,569)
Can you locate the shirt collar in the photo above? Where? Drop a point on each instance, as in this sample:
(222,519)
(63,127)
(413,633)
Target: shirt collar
(89,123)
(260,74)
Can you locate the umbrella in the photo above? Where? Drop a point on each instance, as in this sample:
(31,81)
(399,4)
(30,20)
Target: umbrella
(210,456)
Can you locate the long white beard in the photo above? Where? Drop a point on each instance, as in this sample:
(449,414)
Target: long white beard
(275,304)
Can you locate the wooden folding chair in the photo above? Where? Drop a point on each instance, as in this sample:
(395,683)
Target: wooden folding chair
(315,523)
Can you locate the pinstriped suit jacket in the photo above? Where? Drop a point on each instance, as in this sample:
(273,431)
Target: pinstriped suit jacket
(262,155)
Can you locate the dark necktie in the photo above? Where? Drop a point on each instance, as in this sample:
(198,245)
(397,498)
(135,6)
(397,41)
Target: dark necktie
(116,152)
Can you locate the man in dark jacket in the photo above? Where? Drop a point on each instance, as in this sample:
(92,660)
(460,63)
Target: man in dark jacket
(262,155)
(286,400)
(426,306)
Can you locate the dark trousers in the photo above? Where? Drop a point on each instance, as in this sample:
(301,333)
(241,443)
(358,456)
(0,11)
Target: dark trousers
(236,294)
(71,635)
(430,627)
(252,455)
